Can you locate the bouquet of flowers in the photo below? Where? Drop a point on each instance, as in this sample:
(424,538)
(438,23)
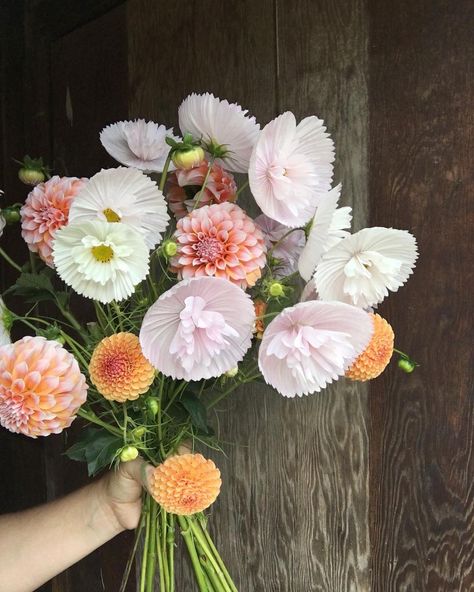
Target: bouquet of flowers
(190,298)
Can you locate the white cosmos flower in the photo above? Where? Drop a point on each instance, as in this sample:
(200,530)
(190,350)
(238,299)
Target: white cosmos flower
(362,268)
(291,168)
(101,260)
(140,144)
(327,229)
(123,195)
(220,122)
(5,322)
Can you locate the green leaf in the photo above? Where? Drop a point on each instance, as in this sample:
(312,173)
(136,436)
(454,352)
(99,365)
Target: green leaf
(196,410)
(97,448)
(33,287)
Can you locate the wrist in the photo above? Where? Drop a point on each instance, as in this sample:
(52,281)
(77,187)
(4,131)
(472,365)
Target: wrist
(105,519)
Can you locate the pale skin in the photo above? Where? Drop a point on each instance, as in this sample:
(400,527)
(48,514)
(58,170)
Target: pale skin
(37,544)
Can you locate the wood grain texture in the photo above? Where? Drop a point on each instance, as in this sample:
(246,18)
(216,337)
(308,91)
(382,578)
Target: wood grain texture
(421,153)
(292,516)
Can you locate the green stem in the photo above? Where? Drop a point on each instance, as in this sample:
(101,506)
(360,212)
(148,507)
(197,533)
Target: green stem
(188,538)
(170,543)
(92,417)
(241,188)
(403,354)
(151,548)
(211,574)
(118,312)
(128,567)
(206,178)
(197,532)
(216,554)
(9,260)
(279,241)
(164,535)
(160,551)
(145,546)
(164,174)
(70,317)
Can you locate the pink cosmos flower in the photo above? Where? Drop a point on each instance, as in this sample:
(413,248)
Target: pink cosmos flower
(291,168)
(311,344)
(41,387)
(46,210)
(222,241)
(286,249)
(199,329)
(220,123)
(184,188)
(139,144)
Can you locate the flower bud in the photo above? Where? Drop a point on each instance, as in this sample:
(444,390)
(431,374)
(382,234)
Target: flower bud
(276,289)
(31,176)
(138,433)
(406,365)
(188,158)
(170,248)
(232,372)
(153,405)
(11,215)
(128,453)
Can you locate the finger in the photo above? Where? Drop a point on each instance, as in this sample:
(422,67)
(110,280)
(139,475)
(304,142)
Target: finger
(138,470)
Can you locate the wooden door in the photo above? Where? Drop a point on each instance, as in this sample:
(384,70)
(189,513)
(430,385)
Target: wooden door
(355,489)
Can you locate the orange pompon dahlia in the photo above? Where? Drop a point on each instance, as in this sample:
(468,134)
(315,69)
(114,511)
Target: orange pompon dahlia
(118,368)
(185,484)
(260,308)
(41,387)
(374,359)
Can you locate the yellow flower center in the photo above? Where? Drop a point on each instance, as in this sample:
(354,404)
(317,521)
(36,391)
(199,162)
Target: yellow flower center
(111,216)
(103,253)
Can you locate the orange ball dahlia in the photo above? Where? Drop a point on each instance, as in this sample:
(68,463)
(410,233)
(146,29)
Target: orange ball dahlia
(118,368)
(374,359)
(222,241)
(45,211)
(41,387)
(185,484)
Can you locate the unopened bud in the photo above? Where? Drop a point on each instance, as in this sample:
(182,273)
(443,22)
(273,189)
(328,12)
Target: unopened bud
(406,365)
(153,405)
(276,289)
(188,158)
(170,248)
(31,176)
(128,453)
(232,372)
(138,433)
(11,215)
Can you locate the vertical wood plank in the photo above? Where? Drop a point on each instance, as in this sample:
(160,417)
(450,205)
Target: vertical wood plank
(421,153)
(322,48)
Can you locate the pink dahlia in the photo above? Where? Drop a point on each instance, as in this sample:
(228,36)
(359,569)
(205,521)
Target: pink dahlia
(309,345)
(291,168)
(184,190)
(199,329)
(286,245)
(45,211)
(41,387)
(221,241)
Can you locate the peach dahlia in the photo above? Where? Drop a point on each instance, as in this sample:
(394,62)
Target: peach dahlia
(222,241)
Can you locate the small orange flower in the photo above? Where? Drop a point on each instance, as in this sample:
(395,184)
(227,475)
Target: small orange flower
(185,484)
(374,359)
(260,308)
(118,368)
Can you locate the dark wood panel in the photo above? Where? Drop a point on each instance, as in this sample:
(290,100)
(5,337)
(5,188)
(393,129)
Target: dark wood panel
(421,153)
(322,48)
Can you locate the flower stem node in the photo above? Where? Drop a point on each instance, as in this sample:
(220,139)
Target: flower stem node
(232,372)
(276,289)
(153,406)
(406,365)
(170,248)
(128,453)
(188,158)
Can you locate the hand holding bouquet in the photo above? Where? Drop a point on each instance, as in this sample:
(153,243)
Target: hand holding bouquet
(186,308)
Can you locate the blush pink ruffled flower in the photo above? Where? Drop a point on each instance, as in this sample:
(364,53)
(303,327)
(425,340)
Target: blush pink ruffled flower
(198,329)
(222,241)
(311,344)
(185,188)
(45,211)
(41,387)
